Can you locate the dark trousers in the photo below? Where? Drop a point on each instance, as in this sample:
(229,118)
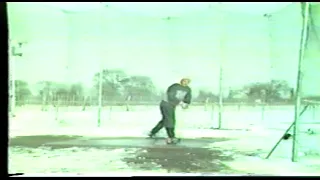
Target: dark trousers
(168,119)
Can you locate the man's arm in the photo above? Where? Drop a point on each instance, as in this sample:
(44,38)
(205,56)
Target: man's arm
(188,97)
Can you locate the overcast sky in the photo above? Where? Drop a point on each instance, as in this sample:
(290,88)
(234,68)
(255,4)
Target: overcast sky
(73,47)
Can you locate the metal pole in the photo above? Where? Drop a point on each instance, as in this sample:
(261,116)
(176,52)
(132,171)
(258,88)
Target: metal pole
(220,98)
(100,97)
(212,111)
(69,33)
(263,106)
(15,50)
(12,80)
(289,128)
(101,65)
(221,66)
(305,11)
(69,79)
(263,110)
(270,25)
(206,103)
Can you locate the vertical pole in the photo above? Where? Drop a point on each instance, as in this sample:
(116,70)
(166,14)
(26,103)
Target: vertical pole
(101,65)
(305,11)
(270,37)
(66,69)
(268,18)
(212,111)
(220,98)
(69,58)
(221,65)
(206,103)
(263,106)
(12,80)
(100,96)
(128,99)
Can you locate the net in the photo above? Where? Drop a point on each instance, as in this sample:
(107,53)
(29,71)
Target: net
(98,63)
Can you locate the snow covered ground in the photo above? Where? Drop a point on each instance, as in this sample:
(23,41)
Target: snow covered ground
(254,136)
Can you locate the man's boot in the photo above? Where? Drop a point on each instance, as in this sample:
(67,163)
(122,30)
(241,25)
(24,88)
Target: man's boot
(172,140)
(151,135)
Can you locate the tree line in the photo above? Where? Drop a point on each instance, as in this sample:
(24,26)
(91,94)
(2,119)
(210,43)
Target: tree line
(118,86)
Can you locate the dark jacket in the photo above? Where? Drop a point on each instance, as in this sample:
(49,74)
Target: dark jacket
(177,93)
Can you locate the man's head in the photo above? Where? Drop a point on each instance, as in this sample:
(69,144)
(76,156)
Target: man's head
(185,81)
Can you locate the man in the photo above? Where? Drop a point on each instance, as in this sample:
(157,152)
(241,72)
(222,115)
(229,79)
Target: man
(177,94)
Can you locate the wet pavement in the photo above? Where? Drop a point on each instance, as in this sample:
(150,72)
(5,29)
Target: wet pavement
(186,160)
(189,156)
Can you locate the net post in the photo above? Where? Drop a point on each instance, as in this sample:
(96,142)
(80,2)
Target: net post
(305,16)
(263,106)
(100,97)
(289,128)
(15,50)
(101,66)
(57,109)
(62,100)
(279,141)
(212,112)
(263,110)
(220,99)
(12,80)
(128,99)
(221,21)
(206,103)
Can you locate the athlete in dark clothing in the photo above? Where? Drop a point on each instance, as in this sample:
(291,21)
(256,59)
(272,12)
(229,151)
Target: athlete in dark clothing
(178,93)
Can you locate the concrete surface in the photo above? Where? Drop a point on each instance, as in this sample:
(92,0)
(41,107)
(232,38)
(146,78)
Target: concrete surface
(190,155)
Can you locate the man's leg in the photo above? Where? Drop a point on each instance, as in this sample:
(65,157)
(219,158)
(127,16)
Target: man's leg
(160,124)
(171,133)
(171,136)
(156,129)
(170,124)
